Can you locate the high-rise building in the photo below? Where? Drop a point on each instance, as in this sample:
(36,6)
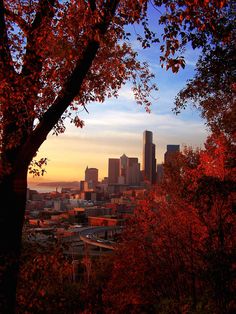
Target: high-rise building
(160,173)
(133,172)
(171,150)
(113,170)
(154,163)
(91,176)
(149,157)
(129,172)
(84,186)
(123,169)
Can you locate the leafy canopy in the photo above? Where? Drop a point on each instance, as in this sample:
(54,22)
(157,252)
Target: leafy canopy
(58,56)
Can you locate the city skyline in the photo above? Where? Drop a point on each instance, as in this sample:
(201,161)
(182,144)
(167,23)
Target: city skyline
(115,126)
(128,170)
(102,164)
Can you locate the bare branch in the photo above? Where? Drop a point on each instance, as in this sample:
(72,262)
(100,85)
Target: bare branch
(85,108)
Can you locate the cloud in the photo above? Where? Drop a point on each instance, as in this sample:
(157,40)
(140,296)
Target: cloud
(115,120)
(116,127)
(109,134)
(126,93)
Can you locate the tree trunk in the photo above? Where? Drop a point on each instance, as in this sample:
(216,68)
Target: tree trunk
(13,190)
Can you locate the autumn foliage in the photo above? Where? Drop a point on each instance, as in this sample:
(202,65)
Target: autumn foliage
(45,282)
(177,252)
(56,57)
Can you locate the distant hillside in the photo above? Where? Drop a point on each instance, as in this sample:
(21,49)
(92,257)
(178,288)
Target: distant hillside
(60,183)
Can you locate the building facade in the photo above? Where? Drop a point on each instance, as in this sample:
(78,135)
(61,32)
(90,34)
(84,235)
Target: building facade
(170,153)
(91,176)
(113,170)
(149,157)
(160,173)
(123,169)
(133,175)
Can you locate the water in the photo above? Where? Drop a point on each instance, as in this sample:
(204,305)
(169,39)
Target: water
(44,189)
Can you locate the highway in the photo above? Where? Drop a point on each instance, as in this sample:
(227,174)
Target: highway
(90,236)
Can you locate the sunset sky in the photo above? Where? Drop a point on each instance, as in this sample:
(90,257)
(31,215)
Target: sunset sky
(116,126)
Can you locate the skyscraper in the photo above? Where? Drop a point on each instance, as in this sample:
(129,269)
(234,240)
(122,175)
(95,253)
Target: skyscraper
(160,173)
(113,170)
(123,168)
(171,150)
(91,176)
(149,157)
(133,172)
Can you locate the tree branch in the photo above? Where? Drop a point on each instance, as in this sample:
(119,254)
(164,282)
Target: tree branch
(92,4)
(44,10)
(70,90)
(5,55)
(65,97)
(32,63)
(18,20)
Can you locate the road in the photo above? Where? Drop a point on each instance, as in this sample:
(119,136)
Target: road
(90,236)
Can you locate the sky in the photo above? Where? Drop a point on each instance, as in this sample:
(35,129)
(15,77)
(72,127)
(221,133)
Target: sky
(117,125)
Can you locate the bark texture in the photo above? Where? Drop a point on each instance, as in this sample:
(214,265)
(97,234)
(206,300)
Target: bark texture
(13,199)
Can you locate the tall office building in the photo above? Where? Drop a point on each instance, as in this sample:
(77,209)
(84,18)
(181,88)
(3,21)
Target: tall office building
(160,173)
(149,157)
(129,172)
(91,176)
(123,169)
(84,186)
(113,170)
(133,172)
(171,150)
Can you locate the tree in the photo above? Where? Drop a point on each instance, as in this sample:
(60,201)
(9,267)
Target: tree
(177,251)
(212,90)
(157,260)
(45,284)
(57,56)
(177,255)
